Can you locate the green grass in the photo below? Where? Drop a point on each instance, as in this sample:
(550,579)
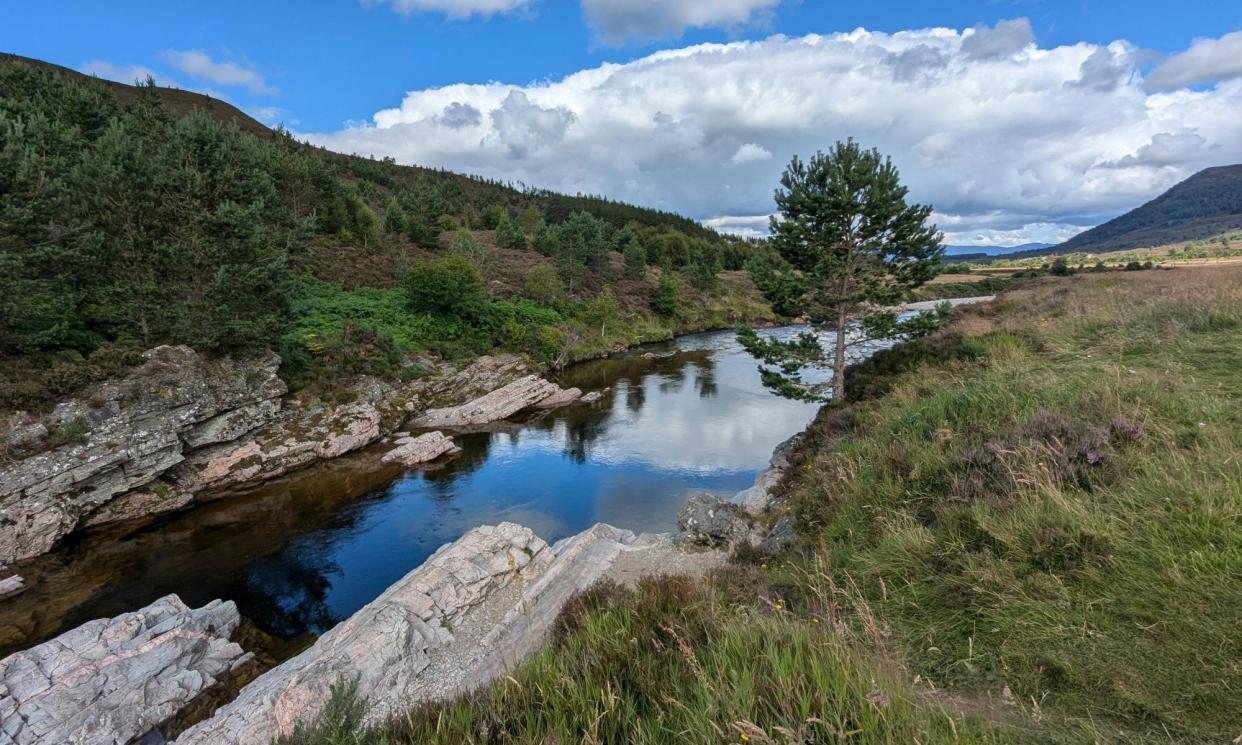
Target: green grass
(678,661)
(977,288)
(1061,515)
(1029,531)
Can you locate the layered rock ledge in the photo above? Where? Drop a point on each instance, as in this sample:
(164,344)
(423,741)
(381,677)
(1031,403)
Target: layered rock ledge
(115,680)
(501,403)
(182,427)
(478,605)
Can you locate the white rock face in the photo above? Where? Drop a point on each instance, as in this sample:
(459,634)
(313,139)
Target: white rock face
(492,407)
(388,643)
(478,606)
(411,451)
(114,680)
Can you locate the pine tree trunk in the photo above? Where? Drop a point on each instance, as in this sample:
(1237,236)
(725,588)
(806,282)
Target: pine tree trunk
(838,361)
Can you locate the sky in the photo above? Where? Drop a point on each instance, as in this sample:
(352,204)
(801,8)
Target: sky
(1018,120)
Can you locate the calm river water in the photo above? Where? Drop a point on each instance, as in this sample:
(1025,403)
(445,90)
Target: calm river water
(304,552)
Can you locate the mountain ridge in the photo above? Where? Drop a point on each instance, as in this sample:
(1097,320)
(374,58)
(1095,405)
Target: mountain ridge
(1204,205)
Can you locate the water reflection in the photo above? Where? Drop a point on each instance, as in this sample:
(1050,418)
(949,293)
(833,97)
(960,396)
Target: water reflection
(303,552)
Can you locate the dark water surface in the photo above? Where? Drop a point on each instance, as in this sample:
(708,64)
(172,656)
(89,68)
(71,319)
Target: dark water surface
(304,552)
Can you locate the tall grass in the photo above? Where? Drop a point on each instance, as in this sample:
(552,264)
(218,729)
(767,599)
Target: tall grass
(1026,529)
(680,661)
(1061,518)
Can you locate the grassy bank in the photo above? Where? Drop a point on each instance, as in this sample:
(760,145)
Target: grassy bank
(1023,529)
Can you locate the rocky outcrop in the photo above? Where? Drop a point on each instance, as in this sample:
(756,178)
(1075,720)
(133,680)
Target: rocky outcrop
(311,432)
(562,397)
(389,643)
(501,403)
(708,520)
(756,499)
(477,606)
(180,427)
(115,680)
(411,451)
(122,434)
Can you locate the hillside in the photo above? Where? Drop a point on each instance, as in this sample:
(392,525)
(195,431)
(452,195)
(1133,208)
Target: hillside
(970,252)
(135,216)
(1205,205)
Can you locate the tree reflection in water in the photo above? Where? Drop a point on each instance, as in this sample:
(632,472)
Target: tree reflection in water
(302,552)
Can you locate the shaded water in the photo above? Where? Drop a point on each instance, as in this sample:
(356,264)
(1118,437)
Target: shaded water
(304,552)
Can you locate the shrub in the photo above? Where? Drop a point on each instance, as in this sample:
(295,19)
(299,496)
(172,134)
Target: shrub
(635,260)
(509,233)
(449,286)
(543,284)
(664,299)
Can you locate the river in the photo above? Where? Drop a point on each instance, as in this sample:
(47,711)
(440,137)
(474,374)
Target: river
(303,552)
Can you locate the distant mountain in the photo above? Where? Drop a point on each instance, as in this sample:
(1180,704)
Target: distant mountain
(963,251)
(1203,206)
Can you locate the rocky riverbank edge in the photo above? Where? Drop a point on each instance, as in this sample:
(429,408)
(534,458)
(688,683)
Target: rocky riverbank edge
(182,428)
(476,607)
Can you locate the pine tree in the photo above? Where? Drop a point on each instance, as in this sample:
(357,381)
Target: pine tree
(665,298)
(846,229)
(394,217)
(509,233)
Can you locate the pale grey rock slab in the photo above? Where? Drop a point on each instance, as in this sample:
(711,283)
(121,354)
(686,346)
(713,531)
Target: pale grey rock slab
(500,404)
(412,451)
(386,644)
(562,397)
(474,609)
(113,680)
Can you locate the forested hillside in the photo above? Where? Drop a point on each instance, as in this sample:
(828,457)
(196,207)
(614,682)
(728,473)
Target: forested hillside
(128,221)
(1205,205)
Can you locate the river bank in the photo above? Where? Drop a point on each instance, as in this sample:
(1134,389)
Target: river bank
(704,383)
(303,551)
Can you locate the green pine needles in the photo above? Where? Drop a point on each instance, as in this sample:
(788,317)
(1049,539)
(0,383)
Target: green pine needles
(849,247)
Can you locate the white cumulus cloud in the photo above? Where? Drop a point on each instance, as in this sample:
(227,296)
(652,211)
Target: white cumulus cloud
(128,74)
(1002,136)
(198,64)
(751,153)
(1206,61)
(616,21)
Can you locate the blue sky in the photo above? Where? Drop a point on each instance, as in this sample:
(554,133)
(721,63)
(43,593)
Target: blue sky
(538,107)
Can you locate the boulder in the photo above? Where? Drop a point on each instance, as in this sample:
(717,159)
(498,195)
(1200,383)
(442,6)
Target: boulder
(115,680)
(10,586)
(780,535)
(501,403)
(708,520)
(591,397)
(411,451)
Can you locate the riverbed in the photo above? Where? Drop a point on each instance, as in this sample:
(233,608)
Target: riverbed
(301,553)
